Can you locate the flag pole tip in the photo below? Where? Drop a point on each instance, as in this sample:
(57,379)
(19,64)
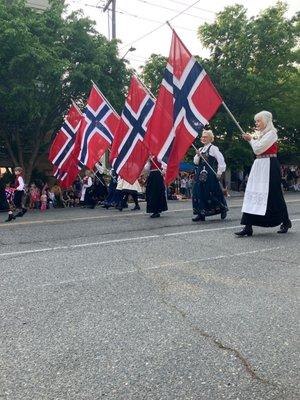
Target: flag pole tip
(169,25)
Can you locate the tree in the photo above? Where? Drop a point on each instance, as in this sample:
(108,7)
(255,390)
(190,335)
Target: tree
(45,61)
(253,65)
(153,71)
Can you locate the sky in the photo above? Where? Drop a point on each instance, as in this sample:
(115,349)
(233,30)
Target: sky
(136,18)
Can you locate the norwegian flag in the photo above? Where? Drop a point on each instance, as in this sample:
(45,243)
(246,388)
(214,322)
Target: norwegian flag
(64,142)
(97,129)
(59,174)
(129,154)
(187,100)
(67,176)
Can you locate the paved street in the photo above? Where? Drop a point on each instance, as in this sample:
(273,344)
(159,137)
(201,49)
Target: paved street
(99,304)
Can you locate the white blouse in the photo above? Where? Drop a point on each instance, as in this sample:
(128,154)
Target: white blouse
(21,183)
(214,152)
(88,183)
(259,146)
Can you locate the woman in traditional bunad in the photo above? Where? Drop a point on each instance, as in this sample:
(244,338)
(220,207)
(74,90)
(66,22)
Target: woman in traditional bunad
(129,189)
(87,182)
(100,188)
(155,188)
(111,199)
(264,204)
(208,198)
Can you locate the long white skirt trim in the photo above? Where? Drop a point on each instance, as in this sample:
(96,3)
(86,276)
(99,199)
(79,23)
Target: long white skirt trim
(257,190)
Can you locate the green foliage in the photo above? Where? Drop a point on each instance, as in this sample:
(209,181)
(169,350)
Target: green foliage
(45,60)
(253,64)
(153,71)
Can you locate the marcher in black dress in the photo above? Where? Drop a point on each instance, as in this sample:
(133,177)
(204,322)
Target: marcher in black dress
(111,199)
(208,198)
(264,204)
(155,189)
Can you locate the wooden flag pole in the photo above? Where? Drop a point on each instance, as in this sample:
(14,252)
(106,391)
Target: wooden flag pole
(201,156)
(233,118)
(207,163)
(76,106)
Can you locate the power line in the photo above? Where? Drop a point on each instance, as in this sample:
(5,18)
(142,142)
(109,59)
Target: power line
(196,8)
(168,8)
(151,20)
(160,26)
(123,12)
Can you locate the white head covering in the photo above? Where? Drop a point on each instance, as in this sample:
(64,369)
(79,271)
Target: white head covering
(267,117)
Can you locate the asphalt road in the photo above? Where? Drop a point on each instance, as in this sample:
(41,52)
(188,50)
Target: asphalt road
(98,304)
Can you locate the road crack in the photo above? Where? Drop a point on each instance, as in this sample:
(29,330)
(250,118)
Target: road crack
(161,287)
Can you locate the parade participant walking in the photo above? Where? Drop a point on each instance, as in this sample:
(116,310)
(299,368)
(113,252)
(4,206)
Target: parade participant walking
(264,204)
(208,198)
(155,189)
(129,190)
(18,195)
(19,192)
(86,183)
(111,199)
(100,188)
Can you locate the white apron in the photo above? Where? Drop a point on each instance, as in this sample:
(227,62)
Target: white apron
(257,190)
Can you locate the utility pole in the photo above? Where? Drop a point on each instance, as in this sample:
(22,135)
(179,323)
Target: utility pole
(113,16)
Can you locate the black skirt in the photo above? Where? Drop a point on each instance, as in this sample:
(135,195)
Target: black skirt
(156,193)
(276,212)
(208,198)
(18,198)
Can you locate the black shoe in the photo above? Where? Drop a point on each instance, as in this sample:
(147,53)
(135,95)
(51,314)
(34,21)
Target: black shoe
(223,214)
(155,215)
(120,208)
(136,208)
(199,217)
(20,214)
(247,231)
(11,217)
(285,227)
(24,211)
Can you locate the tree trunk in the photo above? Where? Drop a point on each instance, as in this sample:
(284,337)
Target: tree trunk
(32,160)
(20,151)
(10,152)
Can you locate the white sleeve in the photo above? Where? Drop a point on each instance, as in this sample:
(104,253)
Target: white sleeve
(215,152)
(21,183)
(147,167)
(89,182)
(259,146)
(196,159)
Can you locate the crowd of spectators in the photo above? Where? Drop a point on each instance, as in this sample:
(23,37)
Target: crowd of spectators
(42,196)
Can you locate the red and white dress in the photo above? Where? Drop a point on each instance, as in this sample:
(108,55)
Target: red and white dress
(264,204)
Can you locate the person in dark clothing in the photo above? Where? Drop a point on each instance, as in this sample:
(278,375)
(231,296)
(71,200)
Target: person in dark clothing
(155,189)
(208,198)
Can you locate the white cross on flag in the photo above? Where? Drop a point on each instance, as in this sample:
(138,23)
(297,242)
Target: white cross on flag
(186,101)
(129,154)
